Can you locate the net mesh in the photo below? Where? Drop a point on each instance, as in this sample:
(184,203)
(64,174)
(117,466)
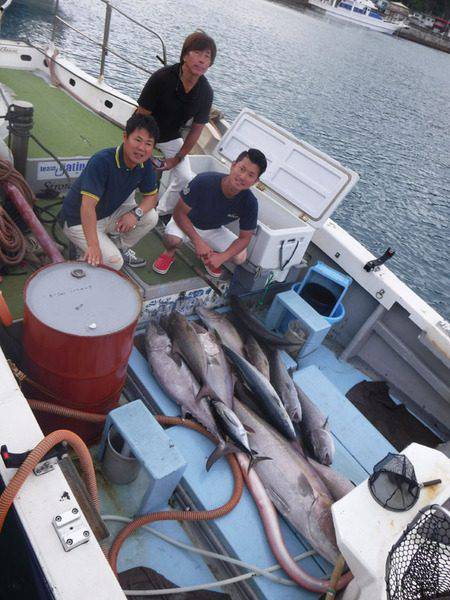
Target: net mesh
(393,483)
(418,565)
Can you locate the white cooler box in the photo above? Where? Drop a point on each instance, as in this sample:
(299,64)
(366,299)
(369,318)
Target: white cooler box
(298,192)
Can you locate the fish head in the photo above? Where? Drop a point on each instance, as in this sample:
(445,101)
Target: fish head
(322,446)
(156,338)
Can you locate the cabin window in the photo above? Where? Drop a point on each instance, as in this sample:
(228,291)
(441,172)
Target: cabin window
(25,57)
(108,104)
(72,82)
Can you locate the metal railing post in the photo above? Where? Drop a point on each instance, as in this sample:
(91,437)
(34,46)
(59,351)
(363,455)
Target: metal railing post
(101,75)
(55,19)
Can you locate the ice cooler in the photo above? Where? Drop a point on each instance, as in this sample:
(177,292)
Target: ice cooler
(300,189)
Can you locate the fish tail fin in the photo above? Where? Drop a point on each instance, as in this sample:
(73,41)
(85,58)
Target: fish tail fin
(254,459)
(219,451)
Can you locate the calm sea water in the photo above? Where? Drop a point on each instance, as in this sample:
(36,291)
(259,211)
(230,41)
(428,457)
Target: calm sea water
(378,104)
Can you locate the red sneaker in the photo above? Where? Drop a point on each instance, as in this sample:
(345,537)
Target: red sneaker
(163,263)
(213,272)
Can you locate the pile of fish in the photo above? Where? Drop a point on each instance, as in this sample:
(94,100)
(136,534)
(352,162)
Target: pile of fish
(204,367)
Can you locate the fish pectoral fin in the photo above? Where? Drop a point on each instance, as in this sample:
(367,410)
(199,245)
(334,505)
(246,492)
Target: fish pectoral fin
(203,392)
(276,498)
(177,359)
(247,428)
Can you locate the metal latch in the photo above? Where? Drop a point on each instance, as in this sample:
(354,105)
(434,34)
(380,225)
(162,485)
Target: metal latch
(71,528)
(14,460)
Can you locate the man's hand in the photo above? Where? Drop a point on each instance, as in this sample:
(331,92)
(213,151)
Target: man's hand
(127,222)
(93,255)
(215,260)
(202,250)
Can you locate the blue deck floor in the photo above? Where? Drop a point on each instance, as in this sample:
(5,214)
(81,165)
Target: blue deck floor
(358,447)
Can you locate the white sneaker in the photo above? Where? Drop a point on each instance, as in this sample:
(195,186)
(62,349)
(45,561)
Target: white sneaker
(130,259)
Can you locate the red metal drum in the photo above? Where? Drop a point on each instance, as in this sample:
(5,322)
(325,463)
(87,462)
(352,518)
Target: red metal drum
(79,324)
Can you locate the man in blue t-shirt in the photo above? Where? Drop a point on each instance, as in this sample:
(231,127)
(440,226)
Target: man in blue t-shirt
(101,201)
(208,203)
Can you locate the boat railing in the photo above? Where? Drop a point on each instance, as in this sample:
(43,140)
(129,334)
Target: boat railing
(104,44)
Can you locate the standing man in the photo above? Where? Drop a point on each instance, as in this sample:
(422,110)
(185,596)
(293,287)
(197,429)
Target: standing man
(99,203)
(175,95)
(210,201)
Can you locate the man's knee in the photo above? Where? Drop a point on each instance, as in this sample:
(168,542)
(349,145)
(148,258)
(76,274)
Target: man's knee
(172,241)
(240,258)
(115,262)
(150,219)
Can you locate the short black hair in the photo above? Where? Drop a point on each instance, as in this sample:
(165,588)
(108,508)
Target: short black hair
(199,40)
(256,157)
(140,121)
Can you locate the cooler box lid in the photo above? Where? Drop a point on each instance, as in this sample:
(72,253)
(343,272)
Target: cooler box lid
(309,183)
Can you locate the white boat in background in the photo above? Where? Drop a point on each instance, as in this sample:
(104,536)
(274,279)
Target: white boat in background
(360,12)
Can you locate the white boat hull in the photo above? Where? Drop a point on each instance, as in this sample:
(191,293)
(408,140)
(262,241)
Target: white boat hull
(359,19)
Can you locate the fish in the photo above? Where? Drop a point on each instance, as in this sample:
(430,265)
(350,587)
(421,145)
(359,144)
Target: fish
(188,344)
(231,427)
(256,356)
(284,386)
(315,430)
(177,380)
(256,327)
(267,397)
(338,485)
(294,487)
(218,382)
(215,321)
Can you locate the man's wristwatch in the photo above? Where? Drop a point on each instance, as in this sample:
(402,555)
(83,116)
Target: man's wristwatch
(180,157)
(138,212)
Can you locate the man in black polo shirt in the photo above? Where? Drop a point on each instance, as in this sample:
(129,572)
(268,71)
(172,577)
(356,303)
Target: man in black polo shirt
(208,203)
(175,95)
(101,201)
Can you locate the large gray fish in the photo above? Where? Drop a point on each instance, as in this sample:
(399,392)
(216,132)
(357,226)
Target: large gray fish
(284,386)
(175,378)
(215,321)
(315,430)
(293,485)
(256,355)
(230,426)
(218,382)
(250,322)
(338,485)
(188,344)
(267,397)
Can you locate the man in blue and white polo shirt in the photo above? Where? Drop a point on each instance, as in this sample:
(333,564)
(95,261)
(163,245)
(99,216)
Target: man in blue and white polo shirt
(208,203)
(101,201)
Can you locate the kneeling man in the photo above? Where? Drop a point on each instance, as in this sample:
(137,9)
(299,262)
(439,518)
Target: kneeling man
(101,201)
(206,205)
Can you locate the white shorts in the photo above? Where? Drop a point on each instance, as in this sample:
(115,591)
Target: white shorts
(219,239)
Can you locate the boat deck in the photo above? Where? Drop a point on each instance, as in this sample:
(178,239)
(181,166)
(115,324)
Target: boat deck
(61,124)
(358,447)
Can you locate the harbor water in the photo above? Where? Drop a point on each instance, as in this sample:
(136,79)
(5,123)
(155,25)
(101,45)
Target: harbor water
(378,104)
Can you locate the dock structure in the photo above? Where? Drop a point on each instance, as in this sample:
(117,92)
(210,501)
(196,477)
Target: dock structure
(426,38)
